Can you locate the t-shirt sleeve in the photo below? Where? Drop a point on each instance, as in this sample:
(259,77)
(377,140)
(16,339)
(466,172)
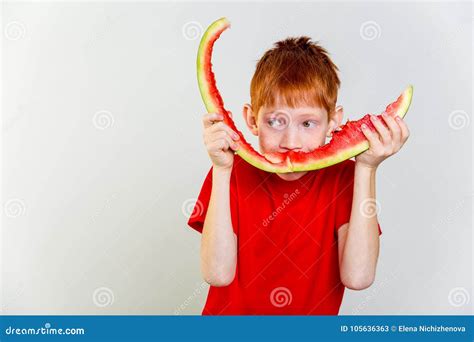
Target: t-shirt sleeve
(344,195)
(198,215)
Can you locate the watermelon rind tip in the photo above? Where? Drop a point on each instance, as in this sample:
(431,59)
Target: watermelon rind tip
(407,98)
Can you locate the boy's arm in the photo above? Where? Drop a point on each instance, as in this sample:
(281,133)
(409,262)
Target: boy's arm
(358,240)
(218,241)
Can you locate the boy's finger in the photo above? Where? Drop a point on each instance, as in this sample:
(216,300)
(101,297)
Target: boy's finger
(372,137)
(404,129)
(220,126)
(235,145)
(209,119)
(230,143)
(217,135)
(381,129)
(219,145)
(394,128)
(226,137)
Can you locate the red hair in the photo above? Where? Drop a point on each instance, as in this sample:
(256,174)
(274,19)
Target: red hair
(297,71)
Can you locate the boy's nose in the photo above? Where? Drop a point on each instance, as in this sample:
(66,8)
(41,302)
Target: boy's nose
(290,140)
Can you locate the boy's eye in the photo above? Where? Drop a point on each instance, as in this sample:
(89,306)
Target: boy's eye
(277,122)
(308,124)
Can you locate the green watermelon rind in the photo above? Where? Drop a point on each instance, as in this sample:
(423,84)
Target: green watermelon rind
(214,104)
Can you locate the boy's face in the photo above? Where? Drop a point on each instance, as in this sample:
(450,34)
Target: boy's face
(283,129)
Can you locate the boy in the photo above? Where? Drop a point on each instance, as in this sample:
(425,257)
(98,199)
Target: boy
(289,244)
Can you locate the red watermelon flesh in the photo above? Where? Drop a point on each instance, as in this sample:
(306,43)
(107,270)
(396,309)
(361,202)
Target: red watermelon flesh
(347,142)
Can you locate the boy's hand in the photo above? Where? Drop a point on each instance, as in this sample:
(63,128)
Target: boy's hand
(385,142)
(220,140)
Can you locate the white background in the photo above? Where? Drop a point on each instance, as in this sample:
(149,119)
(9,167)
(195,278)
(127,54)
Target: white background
(102,147)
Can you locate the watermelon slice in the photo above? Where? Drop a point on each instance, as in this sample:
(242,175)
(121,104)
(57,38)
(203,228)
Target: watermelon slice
(346,142)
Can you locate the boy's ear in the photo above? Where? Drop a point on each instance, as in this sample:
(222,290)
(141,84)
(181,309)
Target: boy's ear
(335,120)
(250,119)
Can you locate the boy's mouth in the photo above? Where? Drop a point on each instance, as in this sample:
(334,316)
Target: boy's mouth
(286,152)
(278,156)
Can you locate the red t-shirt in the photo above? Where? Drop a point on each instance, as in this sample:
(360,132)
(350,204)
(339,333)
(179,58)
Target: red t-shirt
(287,258)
